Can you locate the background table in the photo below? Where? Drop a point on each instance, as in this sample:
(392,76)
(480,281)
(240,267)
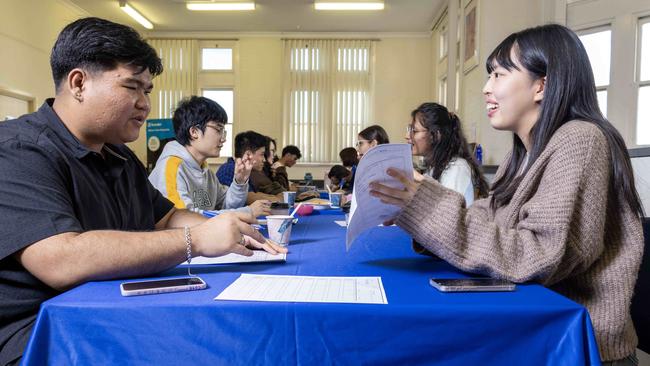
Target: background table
(93,324)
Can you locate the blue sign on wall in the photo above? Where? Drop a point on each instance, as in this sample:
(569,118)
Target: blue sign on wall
(159,132)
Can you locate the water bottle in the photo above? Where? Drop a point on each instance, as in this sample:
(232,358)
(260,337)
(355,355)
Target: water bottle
(308,179)
(479,154)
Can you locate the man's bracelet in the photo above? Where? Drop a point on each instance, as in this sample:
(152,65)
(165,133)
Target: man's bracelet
(188,243)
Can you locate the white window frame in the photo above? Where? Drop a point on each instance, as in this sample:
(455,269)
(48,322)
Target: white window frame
(641,20)
(221,80)
(442,33)
(216,43)
(229,127)
(597,29)
(443,40)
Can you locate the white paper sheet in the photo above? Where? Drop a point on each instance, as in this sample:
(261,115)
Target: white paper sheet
(352,290)
(372,168)
(341,223)
(258,256)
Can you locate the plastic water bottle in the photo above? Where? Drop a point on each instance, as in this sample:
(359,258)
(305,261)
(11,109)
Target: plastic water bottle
(308,179)
(479,154)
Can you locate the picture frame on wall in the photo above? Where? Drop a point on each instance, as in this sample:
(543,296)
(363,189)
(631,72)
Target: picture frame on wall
(470,35)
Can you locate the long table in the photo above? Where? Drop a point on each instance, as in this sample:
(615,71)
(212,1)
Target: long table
(94,325)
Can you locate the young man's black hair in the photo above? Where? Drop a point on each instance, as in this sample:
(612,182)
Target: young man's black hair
(97,44)
(291,149)
(349,156)
(196,111)
(248,141)
(339,172)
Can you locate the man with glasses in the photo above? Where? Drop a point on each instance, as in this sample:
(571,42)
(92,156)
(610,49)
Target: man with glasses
(181,173)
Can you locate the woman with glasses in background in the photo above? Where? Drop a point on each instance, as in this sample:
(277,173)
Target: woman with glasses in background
(436,135)
(371,137)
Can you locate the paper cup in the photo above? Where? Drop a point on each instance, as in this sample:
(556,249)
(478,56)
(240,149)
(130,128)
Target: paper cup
(335,199)
(289,197)
(279,228)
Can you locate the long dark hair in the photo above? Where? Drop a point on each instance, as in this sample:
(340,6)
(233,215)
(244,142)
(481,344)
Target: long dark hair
(447,142)
(555,52)
(267,154)
(375,132)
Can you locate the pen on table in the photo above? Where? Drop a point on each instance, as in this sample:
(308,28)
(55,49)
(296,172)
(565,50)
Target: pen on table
(208,213)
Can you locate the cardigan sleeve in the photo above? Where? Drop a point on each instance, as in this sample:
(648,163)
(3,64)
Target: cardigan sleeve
(552,227)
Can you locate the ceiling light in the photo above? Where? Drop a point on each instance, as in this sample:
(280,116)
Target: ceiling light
(240,5)
(135,15)
(339,5)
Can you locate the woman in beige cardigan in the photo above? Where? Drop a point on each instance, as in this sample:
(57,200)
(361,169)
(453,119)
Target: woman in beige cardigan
(563,210)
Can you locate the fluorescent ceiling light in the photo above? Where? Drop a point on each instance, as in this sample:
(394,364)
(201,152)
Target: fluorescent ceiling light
(135,15)
(241,5)
(339,5)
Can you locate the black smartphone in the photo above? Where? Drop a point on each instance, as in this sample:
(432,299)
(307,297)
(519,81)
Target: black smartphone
(161,286)
(471,284)
(279,205)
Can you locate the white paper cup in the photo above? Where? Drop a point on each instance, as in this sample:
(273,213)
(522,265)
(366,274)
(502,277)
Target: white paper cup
(289,197)
(279,228)
(335,199)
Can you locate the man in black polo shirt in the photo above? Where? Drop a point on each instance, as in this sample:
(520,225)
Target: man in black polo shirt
(75,203)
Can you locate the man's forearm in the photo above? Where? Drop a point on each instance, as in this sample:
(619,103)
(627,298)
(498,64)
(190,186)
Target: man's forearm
(182,218)
(68,259)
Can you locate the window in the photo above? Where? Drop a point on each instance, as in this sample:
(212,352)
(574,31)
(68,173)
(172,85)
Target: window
(216,59)
(216,80)
(328,91)
(440,77)
(442,92)
(598,44)
(643,99)
(352,59)
(457,95)
(305,59)
(225,98)
(178,81)
(442,41)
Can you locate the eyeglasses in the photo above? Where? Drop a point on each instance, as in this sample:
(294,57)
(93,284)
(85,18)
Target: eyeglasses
(410,129)
(361,142)
(220,130)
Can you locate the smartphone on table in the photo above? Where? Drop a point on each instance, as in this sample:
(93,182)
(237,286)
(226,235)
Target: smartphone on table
(471,284)
(161,286)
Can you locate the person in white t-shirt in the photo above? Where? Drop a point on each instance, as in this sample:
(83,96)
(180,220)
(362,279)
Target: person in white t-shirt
(435,134)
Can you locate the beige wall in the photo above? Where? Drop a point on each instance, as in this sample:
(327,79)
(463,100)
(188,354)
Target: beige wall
(28,29)
(402,81)
(403,73)
(260,86)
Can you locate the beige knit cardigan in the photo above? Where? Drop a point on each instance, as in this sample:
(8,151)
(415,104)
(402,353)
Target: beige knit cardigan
(556,231)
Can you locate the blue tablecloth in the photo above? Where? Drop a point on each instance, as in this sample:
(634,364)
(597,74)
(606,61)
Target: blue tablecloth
(94,325)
